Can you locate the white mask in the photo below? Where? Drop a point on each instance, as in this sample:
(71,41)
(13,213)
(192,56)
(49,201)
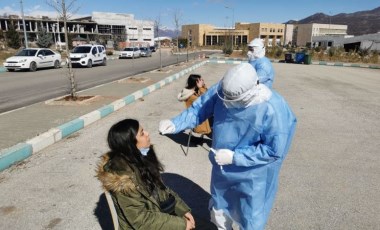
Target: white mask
(144,151)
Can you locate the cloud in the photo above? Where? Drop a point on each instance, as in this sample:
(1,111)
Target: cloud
(6,10)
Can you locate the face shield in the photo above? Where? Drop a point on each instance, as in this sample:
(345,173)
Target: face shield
(256,49)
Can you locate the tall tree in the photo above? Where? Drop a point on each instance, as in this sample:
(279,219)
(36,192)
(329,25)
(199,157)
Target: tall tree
(13,38)
(65,11)
(157,25)
(44,39)
(177,17)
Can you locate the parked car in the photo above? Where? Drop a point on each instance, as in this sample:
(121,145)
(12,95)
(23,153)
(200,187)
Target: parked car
(153,48)
(33,59)
(130,52)
(88,55)
(145,52)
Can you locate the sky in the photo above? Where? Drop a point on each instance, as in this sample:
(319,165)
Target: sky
(220,13)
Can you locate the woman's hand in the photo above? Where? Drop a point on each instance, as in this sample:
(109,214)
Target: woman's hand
(190,223)
(200,83)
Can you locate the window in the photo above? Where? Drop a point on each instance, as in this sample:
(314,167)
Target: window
(49,52)
(147,28)
(132,28)
(94,51)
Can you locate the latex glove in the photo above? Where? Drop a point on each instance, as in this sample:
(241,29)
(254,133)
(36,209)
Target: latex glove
(166,127)
(224,156)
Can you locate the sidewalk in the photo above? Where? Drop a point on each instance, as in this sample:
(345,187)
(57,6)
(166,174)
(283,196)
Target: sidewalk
(328,181)
(45,123)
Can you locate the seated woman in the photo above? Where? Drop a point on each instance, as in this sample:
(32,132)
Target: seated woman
(195,87)
(131,174)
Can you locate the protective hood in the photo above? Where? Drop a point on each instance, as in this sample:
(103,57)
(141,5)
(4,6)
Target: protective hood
(241,89)
(259,49)
(185,94)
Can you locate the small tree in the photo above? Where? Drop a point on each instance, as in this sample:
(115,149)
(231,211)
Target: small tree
(177,17)
(13,38)
(44,39)
(157,25)
(64,11)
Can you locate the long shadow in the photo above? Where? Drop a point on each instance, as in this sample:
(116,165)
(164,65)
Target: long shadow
(103,213)
(194,195)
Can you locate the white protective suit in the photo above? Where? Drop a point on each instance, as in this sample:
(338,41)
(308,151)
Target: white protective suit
(251,139)
(262,64)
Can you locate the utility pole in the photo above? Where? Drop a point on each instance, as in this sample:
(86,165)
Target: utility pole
(23,23)
(233,24)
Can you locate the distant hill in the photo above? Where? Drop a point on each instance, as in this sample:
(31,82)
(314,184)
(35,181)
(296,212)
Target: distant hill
(359,23)
(165,32)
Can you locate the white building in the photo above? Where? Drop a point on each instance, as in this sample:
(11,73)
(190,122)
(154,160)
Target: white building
(303,33)
(130,31)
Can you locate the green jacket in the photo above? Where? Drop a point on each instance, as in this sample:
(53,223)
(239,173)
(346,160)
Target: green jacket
(136,209)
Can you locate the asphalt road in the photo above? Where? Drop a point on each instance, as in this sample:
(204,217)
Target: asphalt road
(329,180)
(22,88)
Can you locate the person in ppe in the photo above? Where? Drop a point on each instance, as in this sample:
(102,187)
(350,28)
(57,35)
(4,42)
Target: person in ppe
(252,132)
(262,65)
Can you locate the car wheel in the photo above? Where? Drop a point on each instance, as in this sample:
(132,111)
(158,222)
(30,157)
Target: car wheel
(57,64)
(89,64)
(104,62)
(33,66)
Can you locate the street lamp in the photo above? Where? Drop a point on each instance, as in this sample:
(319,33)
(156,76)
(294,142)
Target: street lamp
(233,23)
(23,23)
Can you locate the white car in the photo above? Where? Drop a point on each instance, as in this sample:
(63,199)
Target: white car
(130,52)
(33,59)
(88,55)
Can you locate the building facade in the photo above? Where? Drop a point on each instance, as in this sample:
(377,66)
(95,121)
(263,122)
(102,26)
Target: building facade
(303,33)
(101,27)
(241,34)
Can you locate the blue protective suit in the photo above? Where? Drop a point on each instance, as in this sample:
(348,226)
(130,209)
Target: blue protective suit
(264,70)
(260,135)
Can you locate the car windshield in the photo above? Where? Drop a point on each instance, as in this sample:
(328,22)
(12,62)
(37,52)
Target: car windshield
(81,49)
(128,49)
(26,53)
(143,48)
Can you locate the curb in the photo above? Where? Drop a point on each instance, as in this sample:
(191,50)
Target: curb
(224,60)
(23,150)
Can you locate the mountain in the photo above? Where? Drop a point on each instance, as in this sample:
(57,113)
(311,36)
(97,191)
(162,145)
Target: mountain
(358,23)
(166,32)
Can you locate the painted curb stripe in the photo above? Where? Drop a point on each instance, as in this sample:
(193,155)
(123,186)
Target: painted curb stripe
(106,110)
(71,127)
(14,154)
(129,99)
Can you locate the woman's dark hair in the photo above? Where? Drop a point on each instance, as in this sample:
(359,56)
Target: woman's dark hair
(122,142)
(192,82)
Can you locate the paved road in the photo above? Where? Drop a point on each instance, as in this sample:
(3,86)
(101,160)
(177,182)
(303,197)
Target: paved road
(330,179)
(18,89)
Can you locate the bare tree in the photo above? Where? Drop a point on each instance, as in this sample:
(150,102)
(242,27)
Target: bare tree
(177,17)
(65,11)
(157,25)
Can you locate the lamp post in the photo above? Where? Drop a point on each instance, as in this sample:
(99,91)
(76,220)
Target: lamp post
(23,23)
(233,23)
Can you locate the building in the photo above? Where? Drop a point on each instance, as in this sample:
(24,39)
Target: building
(124,29)
(303,33)
(367,41)
(208,35)
(272,34)
(106,28)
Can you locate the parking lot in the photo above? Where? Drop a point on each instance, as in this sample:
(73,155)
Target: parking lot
(330,179)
